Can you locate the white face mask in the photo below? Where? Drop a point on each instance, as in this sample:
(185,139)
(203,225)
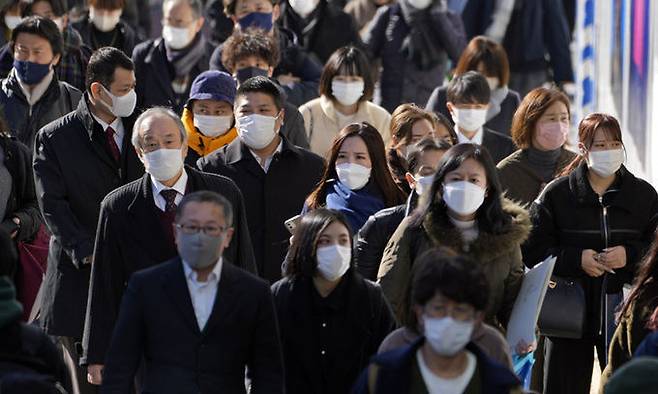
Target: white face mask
(423,184)
(446,335)
(347,93)
(257,131)
(303,8)
(212,126)
(420,4)
(333,261)
(605,162)
(462,197)
(354,176)
(122,106)
(105,22)
(469,119)
(12,21)
(177,37)
(493,82)
(163,164)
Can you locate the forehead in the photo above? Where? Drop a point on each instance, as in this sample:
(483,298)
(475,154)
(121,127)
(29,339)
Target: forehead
(158,126)
(430,158)
(557,107)
(211,103)
(605,134)
(32,41)
(354,144)
(122,75)
(202,211)
(41,8)
(470,166)
(421,126)
(335,229)
(254,99)
(179,8)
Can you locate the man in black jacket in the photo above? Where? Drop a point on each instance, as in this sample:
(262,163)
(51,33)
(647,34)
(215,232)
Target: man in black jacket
(165,67)
(78,160)
(197,321)
(275,176)
(136,230)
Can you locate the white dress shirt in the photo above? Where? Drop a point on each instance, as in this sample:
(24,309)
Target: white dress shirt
(203,294)
(477,138)
(179,186)
(116,125)
(265,164)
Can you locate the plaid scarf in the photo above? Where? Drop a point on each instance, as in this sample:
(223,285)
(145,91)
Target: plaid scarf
(73,65)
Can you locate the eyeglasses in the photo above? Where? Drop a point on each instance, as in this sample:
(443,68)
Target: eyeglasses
(459,313)
(213,231)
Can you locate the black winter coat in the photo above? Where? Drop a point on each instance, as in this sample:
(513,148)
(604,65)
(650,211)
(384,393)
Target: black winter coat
(499,145)
(401,80)
(130,238)
(270,198)
(22,201)
(375,234)
(24,122)
(321,33)
(74,171)
(569,217)
(154,75)
(366,316)
(125,35)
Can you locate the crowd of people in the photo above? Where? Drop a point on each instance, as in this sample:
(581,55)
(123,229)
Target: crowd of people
(310,196)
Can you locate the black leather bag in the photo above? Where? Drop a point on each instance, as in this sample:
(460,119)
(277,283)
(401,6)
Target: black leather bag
(563,312)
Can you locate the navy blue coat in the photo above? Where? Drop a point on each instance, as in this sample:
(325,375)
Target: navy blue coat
(157,323)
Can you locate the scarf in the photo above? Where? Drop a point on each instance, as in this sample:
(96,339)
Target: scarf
(420,45)
(356,205)
(184,59)
(10,309)
(200,143)
(498,95)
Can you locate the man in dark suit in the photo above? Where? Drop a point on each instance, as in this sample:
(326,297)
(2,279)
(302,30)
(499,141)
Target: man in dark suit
(135,229)
(468,100)
(197,320)
(274,175)
(78,160)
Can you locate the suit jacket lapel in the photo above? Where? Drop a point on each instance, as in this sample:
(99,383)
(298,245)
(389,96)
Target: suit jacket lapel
(146,214)
(224,299)
(176,288)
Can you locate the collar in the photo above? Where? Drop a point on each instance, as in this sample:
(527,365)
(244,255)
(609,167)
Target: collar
(116,124)
(477,138)
(179,186)
(38,90)
(579,184)
(214,276)
(337,299)
(236,150)
(278,149)
(327,106)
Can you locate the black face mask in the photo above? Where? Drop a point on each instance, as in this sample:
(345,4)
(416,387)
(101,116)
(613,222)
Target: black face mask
(249,72)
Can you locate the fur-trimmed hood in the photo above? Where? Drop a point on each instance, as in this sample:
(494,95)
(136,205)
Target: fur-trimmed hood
(487,246)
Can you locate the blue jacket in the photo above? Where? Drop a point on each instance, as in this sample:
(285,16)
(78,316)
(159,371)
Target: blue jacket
(396,367)
(648,347)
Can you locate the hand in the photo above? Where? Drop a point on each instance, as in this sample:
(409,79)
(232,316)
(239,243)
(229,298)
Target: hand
(95,374)
(522,348)
(287,79)
(14,233)
(590,264)
(614,257)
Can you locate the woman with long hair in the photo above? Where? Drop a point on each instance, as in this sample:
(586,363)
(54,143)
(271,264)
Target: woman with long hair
(331,319)
(356,180)
(597,221)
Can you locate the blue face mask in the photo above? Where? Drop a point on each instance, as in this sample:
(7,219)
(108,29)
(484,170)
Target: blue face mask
(31,73)
(260,20)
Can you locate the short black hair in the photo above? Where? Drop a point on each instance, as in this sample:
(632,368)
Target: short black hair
(229,6)
(422,146)
(59,7)
(470,87)
(207,196)
(42,27)
(348,60)
(261,85)
(103,63)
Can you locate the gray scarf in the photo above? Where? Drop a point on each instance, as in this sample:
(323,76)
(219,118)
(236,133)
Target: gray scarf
(184,59)
(498,95)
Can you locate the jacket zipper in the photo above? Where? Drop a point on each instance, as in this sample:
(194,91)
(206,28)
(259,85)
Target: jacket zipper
(606,239)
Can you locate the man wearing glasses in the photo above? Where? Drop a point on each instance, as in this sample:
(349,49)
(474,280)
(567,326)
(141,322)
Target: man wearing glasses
(136,225)
(197,320)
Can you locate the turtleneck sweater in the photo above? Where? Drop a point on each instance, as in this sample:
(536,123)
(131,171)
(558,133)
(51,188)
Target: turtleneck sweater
(543,162)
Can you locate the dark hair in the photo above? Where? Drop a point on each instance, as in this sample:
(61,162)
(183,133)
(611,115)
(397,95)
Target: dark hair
(106,4)
(442,120)
(491,217)
(425,145)
(260,85)
(59,7)
(647,272)
(229,6)
(250,42)
(485,51)
(207,196)
(347,60)
(469,88)
(195,5)
(380,172)
(587,129)
(42,27)
(533,106)
(102,65)
(457,277)
(301,259)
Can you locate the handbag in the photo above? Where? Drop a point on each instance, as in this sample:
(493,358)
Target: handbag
(564,310)
(33,257)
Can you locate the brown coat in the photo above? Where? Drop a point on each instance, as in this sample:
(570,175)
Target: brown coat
(499,254)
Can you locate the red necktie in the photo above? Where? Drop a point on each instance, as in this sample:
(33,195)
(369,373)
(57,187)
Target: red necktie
(170,198)
(114,148)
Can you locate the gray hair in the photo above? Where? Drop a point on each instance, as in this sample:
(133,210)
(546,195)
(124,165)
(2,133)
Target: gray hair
(207,196)
(195,5)
(154,113)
